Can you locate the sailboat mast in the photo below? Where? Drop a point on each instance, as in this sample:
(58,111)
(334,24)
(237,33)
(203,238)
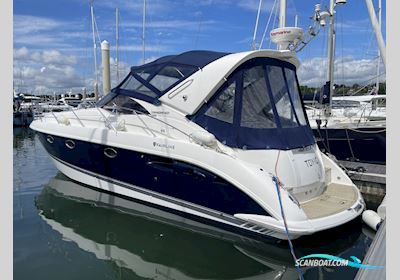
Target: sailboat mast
(378,33)
(379,53)
(96,94)
(116,43)
(282,13)
(282,18)
(331,49)
(143,31)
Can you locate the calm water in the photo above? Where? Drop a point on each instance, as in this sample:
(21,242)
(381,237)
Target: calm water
(63,230)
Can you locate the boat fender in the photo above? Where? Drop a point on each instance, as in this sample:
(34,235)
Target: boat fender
(204,138)
(64,120)
(382,209)
(372,219)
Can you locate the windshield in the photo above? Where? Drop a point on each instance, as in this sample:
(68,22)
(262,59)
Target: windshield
(259,107)
(152,82)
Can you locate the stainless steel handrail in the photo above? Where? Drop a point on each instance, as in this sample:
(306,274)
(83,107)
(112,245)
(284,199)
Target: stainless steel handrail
(137,113)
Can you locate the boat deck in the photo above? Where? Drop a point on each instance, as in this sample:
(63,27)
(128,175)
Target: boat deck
(334,200)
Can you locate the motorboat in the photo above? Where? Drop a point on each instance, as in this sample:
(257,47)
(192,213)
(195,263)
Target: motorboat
(219,137)
(352,126)
(62,104)
(370,107)
(353,109)
(22,115)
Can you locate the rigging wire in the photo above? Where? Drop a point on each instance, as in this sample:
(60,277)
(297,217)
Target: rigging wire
(274,24)
(267,25)
(292,5)
(341,46)
(86,53)
(367,84)
(97,30)
(253,42)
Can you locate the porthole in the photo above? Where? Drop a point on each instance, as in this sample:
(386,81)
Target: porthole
(50,139)
(110,152)
(70,144)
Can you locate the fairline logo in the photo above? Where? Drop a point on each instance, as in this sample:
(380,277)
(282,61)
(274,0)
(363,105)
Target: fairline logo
(329,260)
(162,145)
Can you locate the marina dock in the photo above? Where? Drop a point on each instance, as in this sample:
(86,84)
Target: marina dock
(370,178)
(376,255)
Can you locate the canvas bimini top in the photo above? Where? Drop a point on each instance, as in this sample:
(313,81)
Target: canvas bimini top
(248,100)
(152,80)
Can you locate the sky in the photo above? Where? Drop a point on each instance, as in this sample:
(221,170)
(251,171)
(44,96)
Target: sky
(53,44)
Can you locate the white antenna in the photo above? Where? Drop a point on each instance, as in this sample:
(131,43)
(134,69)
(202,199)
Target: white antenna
(253,43)
(143,31)
(116,43)
(96,94)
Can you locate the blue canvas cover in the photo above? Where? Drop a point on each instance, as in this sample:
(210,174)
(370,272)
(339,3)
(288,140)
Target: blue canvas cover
(259,107)
(150,81)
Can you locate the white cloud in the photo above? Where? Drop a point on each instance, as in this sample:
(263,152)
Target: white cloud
(47,78)
(348,71)
(21,53)
(26,24)
(45,32)
(46,56)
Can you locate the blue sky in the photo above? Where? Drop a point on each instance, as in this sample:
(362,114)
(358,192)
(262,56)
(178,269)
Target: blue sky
(53,43)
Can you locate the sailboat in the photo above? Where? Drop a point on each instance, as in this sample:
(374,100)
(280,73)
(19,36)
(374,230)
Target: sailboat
(349,133)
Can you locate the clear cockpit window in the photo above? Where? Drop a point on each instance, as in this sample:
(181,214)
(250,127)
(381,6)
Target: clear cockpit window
(223,107)
(295,95)
(133,84)
(281,96)
(257,109)
(125,105)
(169,75)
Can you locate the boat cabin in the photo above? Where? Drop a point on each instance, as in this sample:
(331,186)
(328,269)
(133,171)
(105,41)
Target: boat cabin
(249,100)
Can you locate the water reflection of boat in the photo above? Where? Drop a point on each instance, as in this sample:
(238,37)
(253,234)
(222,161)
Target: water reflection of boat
(153,243)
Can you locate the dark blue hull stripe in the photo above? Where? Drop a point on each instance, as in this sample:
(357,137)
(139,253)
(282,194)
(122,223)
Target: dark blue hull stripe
(230,219)
(156,174)
(219,215)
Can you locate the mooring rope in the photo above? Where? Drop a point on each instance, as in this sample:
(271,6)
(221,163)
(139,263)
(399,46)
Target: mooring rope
(286,229)
(367,132)
(276,181)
